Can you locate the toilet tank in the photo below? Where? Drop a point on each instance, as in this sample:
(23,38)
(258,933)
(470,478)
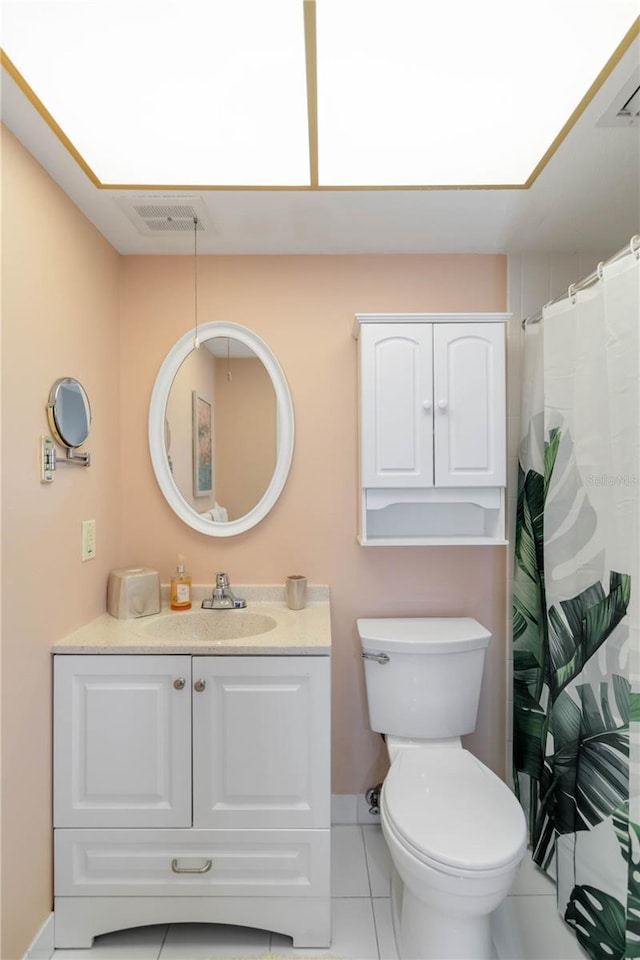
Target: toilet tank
(429,687)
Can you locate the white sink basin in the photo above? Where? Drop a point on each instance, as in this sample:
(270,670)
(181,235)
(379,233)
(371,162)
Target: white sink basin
(209,625)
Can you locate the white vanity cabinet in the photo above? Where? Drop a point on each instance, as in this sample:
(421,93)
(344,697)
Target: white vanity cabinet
(191,788)
(432,428)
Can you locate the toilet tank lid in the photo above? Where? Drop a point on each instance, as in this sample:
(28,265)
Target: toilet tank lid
(422,634)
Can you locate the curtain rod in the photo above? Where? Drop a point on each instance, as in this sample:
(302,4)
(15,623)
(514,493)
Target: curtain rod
(632,247)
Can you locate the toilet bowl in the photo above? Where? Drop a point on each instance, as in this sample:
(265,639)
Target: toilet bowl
(455,832)
(456,836)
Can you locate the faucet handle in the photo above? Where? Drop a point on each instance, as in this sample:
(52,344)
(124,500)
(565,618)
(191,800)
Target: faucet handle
(222,580)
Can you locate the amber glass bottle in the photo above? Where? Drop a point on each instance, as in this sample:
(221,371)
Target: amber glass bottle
(181,588)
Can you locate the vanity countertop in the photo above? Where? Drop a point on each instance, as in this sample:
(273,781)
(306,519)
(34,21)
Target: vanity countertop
(304,632)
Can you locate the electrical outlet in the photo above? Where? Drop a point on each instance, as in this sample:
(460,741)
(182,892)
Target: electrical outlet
(88,539)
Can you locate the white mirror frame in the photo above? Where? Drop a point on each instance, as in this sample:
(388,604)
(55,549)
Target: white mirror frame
(285,429)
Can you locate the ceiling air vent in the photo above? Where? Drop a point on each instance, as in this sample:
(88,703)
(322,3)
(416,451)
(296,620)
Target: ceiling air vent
(625,109)
(173,217)
(630,110)
(154,215)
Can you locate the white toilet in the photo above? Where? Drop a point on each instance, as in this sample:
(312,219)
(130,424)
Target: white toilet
(455,831)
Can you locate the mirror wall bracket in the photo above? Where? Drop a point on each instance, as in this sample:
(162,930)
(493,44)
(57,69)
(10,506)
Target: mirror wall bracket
(49,460)
(72,456)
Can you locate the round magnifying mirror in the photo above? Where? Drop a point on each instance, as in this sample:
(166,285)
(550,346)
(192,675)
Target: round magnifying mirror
(69,412)
(221,429)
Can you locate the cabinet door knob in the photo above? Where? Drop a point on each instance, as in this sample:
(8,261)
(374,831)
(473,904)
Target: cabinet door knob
(199,685)
(442,404)
(179,683)
(426,404)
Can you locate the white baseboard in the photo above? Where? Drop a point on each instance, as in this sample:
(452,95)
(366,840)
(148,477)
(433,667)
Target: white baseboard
(351,808)
(43,945)
(344,808)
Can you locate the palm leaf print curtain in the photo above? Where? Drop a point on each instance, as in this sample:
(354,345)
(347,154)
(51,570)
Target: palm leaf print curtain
(576,607)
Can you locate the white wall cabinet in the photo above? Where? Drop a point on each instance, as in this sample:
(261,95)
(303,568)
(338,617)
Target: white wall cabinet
(191,789)
(432,428)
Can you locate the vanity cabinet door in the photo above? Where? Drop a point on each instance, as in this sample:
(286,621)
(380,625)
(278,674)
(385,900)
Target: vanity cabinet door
(396,387)
(469,407)
(261,742)
(122,734)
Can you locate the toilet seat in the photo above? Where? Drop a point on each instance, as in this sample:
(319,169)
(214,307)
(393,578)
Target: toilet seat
(451,812)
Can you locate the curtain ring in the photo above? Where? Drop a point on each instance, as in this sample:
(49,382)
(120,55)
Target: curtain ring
(571,292)
(543,311)
(633,248)
(600,270)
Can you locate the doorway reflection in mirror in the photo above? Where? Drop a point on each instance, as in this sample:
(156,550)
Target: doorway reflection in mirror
(243,430)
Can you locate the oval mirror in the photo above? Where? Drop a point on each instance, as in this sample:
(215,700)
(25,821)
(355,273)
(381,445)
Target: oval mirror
(221,429)
(69,412)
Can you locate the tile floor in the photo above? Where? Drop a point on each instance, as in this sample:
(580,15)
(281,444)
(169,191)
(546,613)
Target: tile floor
(361,918)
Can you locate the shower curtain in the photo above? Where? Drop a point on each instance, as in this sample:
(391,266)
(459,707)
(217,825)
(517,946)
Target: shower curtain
(576,606)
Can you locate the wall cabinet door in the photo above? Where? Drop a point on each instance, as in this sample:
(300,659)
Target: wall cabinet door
(432,405)
(469,405)
(396,389)
(122,737)
(261,742)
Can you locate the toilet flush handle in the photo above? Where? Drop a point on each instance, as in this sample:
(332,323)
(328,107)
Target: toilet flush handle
(378,657)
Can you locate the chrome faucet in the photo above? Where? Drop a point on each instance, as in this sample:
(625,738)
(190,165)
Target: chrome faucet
(223,597)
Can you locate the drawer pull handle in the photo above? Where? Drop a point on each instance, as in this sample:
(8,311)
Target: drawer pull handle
(179,683)
(177,869)
(199,685)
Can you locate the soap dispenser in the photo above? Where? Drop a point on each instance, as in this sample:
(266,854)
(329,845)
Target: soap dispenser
(181,588)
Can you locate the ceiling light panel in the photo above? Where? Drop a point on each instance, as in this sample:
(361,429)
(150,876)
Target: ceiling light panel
(453,92)
(170,93)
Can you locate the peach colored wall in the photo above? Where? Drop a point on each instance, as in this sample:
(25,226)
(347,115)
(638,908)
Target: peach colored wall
(244,434)
(59,318)
(304,308)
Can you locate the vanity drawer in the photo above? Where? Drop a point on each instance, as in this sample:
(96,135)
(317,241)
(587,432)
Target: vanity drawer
(280,863)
